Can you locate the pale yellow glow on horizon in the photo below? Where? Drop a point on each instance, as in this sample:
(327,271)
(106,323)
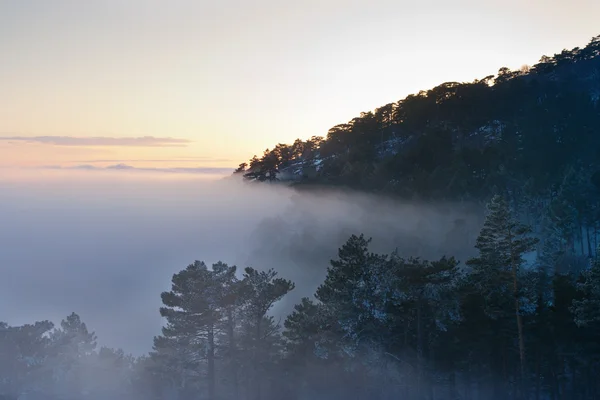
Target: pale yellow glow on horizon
(236,77)
(25,154)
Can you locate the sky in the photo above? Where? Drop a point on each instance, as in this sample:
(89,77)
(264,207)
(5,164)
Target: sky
(193,84)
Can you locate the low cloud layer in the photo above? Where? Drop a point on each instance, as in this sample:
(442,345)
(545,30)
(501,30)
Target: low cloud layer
(154,160)
(126,167)
(105,245)
(145,141)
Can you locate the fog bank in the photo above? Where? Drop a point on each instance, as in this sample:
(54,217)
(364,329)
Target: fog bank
(105,245)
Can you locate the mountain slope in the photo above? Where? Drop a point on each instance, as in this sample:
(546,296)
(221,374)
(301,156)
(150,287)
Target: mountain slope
(518,131)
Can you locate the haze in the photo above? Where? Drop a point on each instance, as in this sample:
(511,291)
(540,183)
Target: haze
(105,244)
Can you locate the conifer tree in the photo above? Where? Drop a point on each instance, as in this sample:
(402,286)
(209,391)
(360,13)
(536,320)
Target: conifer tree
(262,289)
(194,310)
(426,288)
(74,337)
(71,346)
(502,243)
(231,300)
(23,358)
(587,309)
(302,328)
(241,169)
(348,287)
(254,171)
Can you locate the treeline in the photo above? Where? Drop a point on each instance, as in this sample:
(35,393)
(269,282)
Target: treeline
(300,158)
(517,321)
(41,361)
(517,132)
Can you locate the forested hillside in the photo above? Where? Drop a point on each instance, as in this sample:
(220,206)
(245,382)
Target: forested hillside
(521,133)
(532,136)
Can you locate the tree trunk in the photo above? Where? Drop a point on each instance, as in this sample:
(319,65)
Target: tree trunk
(572,241)
(520,333)
(232,354)
(431,369)
(469,382)
(538,380)
(211,363)
(454,392)
(257,381)
(589,242)
(581,235)
(596,239)
(419,350)
(517,313)
(555,390)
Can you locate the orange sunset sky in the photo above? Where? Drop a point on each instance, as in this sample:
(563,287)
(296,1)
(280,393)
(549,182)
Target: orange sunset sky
(151,83)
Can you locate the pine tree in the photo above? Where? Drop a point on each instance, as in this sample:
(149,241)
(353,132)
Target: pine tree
(194,310)
(270,165)
(502,244)
(347,290)
(72,345)
(302,328)
(174,365)
(425,287)
(231,301)
(586,311)
(262,289)
(74,336)
(241,169)
(109,374)
(254,172)
(23,358)
(354,310)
